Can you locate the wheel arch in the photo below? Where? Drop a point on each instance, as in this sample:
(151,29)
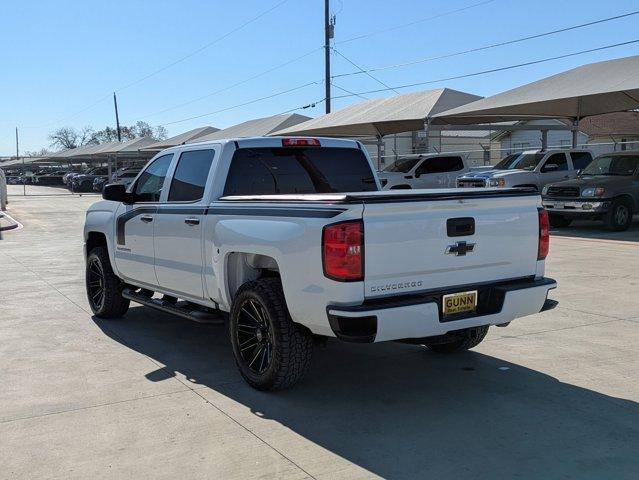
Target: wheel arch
(629,198)
(242,267)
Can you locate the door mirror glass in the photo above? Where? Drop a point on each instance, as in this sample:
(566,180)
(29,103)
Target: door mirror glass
(116,192)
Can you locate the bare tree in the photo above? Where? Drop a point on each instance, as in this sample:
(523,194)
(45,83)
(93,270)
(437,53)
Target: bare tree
(69,137)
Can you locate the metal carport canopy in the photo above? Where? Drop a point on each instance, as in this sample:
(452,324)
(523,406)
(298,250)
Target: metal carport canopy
(382,116)
(593,89)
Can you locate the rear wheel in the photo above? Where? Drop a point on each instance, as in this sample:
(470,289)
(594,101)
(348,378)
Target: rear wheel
(619,217)
(459,340)
(270,350)
(104,288)
(559,221)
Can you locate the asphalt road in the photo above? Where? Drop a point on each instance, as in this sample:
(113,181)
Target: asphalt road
(154,396)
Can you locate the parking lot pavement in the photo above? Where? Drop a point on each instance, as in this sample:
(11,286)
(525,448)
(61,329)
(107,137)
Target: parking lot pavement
(154,396)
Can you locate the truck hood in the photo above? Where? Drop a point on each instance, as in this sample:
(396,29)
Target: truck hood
(391,175)
(493,173)
(594,181)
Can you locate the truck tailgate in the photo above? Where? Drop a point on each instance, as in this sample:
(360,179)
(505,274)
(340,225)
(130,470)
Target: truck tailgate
(411,242)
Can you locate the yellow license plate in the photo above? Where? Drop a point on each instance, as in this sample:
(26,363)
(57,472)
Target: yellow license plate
(461,302)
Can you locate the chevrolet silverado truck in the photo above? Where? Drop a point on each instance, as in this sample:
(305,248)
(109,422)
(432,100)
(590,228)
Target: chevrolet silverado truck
(292,241)
(530,169)
(607,189)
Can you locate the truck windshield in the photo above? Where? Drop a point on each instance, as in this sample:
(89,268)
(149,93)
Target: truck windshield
(620,165)
(520,161)
(403,165)
(269,171)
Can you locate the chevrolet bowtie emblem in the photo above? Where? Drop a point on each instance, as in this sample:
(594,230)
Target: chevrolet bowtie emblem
(460,249)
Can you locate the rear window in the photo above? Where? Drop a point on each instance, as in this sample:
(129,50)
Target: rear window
(269,171)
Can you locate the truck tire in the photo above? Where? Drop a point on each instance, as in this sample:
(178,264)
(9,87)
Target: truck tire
(559,221)
(104,288)
(270,350)
(619,217)
(459,340)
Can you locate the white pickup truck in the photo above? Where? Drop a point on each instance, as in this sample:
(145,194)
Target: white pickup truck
(293,237)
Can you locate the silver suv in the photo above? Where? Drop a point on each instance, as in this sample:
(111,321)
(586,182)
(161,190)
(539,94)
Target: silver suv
(531,168)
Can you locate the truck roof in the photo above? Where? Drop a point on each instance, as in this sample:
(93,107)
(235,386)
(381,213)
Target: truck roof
(254,142)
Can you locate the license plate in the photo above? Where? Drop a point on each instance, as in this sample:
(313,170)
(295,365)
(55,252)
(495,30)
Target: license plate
(460,302)
(559,205)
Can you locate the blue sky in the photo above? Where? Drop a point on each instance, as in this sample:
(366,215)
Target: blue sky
(60,61)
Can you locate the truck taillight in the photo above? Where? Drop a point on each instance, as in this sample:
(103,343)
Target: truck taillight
(343,251)
(301,142)
(544,234)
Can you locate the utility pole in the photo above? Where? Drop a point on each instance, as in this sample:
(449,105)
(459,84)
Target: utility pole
(24,177)
(329,31)
(117,119)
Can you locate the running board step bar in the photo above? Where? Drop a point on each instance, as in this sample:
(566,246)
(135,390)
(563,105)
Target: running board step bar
(199,316)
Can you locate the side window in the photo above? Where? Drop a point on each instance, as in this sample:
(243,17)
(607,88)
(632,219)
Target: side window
(149,186)
(558,159)
(580,160)
(440,165)
(190,176)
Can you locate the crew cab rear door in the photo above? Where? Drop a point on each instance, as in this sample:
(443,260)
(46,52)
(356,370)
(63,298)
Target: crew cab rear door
(441,238)
(179,225)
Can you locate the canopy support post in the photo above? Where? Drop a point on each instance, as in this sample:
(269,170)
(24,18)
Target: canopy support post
(109,169)
(427,136)
(544,140)
(380,142)
(575,133)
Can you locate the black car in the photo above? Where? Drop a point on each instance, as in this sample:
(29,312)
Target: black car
(84,181)
(607,189)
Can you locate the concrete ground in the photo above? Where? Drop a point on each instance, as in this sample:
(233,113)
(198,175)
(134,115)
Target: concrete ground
(154,396)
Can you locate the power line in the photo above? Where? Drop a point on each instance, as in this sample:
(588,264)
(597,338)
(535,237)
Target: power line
(493,70)
(414,22)
(362,70)
(487,47)
(166,67)
(299,87)
(204,47)
(348,91)
(229,87)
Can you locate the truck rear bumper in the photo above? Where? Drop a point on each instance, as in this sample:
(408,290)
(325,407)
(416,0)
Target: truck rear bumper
(419,316)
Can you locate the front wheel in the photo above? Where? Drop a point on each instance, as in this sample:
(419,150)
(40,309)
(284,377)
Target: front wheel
(270,350)
(459,340)
(619,217)
(104,288)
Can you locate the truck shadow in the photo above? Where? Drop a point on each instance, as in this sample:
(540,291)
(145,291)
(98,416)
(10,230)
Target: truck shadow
(399,411)
(596,230)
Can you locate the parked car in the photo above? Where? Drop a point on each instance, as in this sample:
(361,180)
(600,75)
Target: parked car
(424,171)
(84,181)
(99,183)
(532,168)
(66,178)
(49,178)
(260,228)
(607,189)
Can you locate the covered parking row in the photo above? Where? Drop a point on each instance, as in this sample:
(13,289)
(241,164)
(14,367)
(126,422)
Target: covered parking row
(593,89)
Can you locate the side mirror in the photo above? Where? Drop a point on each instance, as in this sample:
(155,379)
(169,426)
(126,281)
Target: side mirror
(551,167)
(116,192)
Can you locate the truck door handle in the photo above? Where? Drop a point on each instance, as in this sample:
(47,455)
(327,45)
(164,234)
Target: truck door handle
(146,218)
(192,221)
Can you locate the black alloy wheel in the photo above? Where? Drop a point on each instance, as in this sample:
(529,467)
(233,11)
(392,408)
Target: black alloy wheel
(254,337)
(95,284)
